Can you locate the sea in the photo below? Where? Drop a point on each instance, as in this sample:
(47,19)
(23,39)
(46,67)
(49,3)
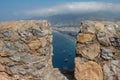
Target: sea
(63,51)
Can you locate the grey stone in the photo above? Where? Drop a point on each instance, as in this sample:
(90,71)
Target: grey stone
(30,59)
(115,42)
(114,64)
(22,71)
(18,69)
(35,73)
(23,34)
(10,64)
(37,33)
(106,53)
(21,46)
(6,33)
(118,40)
(14,69)
(26,35)
(39,65)
(111,70)
(15,57)
(110,27)
(107,70)
(9,45)
(103,39)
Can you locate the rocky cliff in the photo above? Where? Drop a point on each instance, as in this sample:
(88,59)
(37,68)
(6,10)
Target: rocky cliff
(25,50)
(98,51)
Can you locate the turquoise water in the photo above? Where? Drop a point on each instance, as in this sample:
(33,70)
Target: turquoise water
(63,51)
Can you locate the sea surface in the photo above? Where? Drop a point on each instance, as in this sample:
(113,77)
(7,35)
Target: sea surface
(63,51)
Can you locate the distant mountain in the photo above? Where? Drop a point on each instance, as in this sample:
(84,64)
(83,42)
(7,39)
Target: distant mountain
(73,20)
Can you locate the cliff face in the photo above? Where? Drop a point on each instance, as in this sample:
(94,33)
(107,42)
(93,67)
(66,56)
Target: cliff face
(25,50)
(98,51)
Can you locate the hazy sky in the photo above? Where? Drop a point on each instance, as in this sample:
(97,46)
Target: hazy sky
(13,9)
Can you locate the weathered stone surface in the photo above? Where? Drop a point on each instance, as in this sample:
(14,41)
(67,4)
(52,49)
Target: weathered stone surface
(115,42)
(112,28)
(107,53)
(103,39)
(56,75)
(111,70)
(35,44)
(2,68)
(25,50)
(89,51)
(104,49)
(4,76)
(84,37)
(2,54)
(88,71)
(99,26)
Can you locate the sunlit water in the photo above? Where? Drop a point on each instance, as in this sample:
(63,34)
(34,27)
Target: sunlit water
(63,51)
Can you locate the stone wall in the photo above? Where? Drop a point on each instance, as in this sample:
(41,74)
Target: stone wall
(98,51)
(25,50)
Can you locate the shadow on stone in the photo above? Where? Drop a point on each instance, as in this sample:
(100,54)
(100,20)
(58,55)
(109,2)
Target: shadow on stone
(69,74)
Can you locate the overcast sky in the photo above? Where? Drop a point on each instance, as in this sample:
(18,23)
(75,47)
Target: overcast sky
(13,9)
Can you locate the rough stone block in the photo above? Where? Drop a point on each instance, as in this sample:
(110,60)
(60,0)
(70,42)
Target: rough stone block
(20,45)
(102,51)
